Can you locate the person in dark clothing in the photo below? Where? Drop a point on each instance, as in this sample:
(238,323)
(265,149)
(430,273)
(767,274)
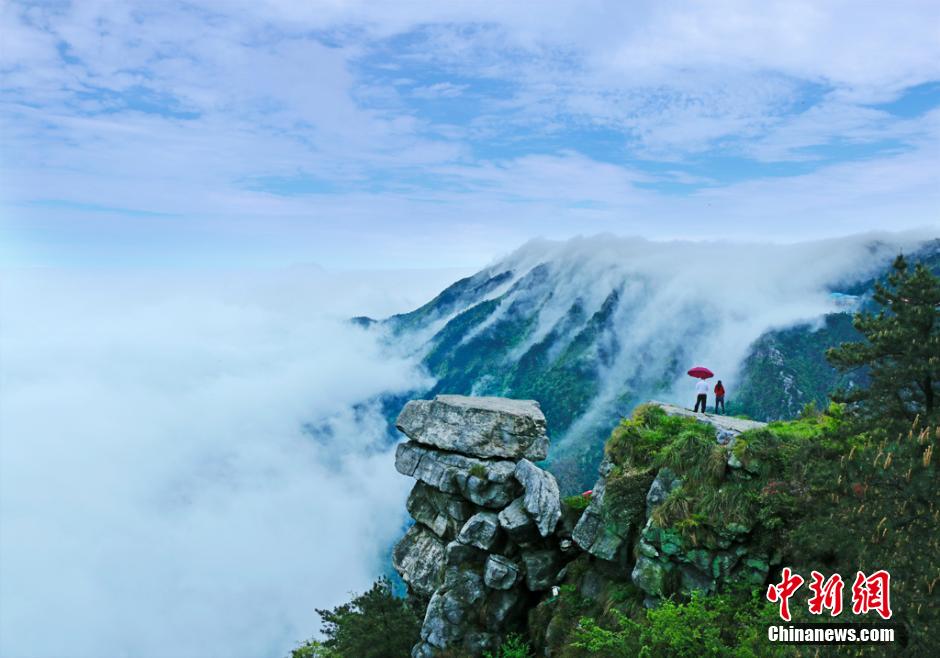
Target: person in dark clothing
(719,397)
(701,398)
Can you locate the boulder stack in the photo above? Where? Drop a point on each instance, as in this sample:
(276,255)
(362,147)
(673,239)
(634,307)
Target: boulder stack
(484,539)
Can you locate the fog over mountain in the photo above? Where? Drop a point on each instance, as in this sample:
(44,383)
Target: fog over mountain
(192,463)
(593,326)
(158,493)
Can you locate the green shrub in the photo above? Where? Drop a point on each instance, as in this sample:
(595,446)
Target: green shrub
(731,624)
(375,624)
(577,502)
(514,646)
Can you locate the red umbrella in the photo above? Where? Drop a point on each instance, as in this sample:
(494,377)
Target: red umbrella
(701,372)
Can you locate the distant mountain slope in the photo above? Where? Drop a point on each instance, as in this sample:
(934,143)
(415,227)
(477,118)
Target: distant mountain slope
(591,327)
(784,369)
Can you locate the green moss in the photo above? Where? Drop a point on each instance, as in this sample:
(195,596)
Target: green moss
(478,470)
(577,502)
(626,494)
(648,438)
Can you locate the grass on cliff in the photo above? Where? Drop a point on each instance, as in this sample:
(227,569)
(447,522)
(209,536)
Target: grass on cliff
(823,492)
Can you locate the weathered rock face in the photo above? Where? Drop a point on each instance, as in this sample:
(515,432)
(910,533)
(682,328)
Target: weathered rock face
(501,572)
(481,531)
(485,427)
(606,528)
(443,513)
(482,482)
(662,486)
(485,518)
(517,523)
(541,499)
(618,524)
(419,558)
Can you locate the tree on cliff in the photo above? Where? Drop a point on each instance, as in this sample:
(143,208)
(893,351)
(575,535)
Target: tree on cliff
(375,624)
(901,348)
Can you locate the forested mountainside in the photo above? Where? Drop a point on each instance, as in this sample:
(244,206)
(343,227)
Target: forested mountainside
(591,329)
(701,533)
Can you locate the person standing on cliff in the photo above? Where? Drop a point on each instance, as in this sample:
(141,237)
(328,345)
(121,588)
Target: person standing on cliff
(701,389)
(719,397)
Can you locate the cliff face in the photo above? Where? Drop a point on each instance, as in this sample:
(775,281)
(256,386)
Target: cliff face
(487,535)
(492,538)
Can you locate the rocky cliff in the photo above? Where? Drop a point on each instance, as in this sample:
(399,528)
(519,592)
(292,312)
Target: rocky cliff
(492,538)
(487,536)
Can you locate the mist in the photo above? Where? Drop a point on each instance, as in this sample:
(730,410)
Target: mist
(679,304)
(158,494)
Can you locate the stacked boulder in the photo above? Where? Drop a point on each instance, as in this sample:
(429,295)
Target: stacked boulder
(484,539)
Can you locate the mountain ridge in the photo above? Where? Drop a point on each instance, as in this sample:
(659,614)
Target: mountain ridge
(592,328)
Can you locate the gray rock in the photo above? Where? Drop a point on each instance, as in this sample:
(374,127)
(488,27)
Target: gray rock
(477,643)
(597,534)
(500,573)
(423,650)
(517,523)
(443,513)
(487,483)
(649,575)
(724,437)
(541,498)
(541,568)
(647,549)
(419,559)
(662,486)
(448,617)
(462,556)
(725,424)
(479,426)
(502,607)
(481,530)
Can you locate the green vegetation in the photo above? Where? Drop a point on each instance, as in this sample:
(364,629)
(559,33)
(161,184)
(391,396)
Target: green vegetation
(845,487)
(900,350)
(375,624)
(838,490)
(721,625)
(784,370)
(577,502)
(513,647)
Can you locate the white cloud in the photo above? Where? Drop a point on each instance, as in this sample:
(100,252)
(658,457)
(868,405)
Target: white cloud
(158,496)
(257,93)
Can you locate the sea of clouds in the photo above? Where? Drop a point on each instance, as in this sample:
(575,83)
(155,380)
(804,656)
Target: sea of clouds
(158,495)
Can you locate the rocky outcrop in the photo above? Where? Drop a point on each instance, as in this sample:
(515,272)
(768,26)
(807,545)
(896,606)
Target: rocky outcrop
(482,482)
(486,518)
(480,426)
(419,558)
(541,499)
(492,537)
(726,427)
(609,523)
(443,513)
(619,524)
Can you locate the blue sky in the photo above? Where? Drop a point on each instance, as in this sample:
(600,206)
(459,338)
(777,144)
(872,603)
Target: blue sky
(351,134)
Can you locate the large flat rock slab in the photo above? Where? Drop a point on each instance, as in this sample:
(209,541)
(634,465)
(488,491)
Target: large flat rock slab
(477,426)
(726,424)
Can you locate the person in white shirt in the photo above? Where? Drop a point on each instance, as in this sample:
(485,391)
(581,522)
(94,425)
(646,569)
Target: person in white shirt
(701,388)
